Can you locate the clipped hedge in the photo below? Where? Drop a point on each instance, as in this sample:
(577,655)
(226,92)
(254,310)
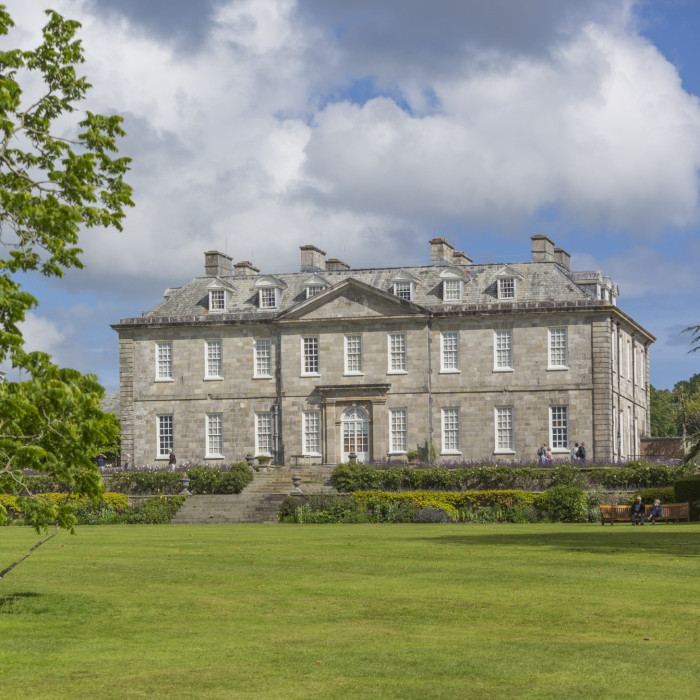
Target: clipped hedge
(111,502)
(350,477)
(447,499)
(564,504)
(203,480)
(688,490)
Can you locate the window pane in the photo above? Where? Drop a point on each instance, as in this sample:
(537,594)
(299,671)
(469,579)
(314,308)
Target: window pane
(397,352)
(217,300)
(165,434)
(398,430)
(310,359)
(506,288)
(450,351)
(504,349)
(214,368)
(560,426)
(353,353)
(504,428)
(263,433)
(312,432)
(263,360)
(403,290)
(450,429)
(558,353)
(452,290)
(215,440)
(268,298)
(164,360)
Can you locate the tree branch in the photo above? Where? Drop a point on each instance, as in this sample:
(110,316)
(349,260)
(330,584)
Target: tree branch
(33,549)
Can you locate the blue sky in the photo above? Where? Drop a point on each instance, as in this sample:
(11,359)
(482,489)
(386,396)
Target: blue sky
(367,128)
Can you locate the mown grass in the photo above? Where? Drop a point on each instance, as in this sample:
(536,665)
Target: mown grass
(357,611)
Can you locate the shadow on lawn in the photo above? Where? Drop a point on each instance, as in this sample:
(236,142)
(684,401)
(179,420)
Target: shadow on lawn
(9,603)
(676,541)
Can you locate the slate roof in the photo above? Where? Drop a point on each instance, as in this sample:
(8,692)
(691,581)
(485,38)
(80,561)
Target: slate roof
(538,283)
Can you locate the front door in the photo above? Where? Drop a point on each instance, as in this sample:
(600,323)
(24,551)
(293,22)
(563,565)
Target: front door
(355,434)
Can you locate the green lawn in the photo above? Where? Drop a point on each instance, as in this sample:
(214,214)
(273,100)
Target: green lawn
(356,611)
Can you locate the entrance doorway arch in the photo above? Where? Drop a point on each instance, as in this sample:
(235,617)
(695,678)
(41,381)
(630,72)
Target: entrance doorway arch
(355,434)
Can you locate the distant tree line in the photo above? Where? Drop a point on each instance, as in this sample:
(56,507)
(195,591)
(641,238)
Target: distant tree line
(676,412)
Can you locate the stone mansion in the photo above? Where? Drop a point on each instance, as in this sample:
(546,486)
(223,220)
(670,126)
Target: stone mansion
(479,361)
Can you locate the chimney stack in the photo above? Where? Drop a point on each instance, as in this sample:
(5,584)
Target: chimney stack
(217,264)
(459,258)
(313,259)
(440,252)
(563,258)
(542,248)
(245,269)
(335,264)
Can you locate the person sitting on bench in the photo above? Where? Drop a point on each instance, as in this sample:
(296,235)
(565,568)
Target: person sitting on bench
(638,512)
(657,511)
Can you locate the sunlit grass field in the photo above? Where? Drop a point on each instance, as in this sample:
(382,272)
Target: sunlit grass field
(353,611)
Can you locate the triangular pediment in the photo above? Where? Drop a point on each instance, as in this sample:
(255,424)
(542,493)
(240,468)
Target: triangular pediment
(506,271)
(315,280)
(352,299)
(218,283)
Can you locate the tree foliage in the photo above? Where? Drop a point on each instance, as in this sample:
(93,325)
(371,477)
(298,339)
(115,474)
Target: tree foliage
(59,174)
(693,454)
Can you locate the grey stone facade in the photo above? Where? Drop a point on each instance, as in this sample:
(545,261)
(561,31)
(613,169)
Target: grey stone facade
(479,361)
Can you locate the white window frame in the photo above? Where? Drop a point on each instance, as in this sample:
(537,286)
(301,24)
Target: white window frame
(264,433)
(398,430)
(449,356)
(503,350)
(310,356)
(165,434)
(404,289)
(164,361)
(213,360)
(269,297)
(396,350)
(313,289)
(559,428)
(311,433)
(556,350)
(451,430)
(452,290)
(628,359)
(507,288)
(504,430)
(353,354)
(215,435)
(262,358)
(217,301)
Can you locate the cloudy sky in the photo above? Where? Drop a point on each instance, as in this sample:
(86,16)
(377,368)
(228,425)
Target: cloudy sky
(368,127)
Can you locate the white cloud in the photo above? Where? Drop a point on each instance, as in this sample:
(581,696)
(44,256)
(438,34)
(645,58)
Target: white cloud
(40,334)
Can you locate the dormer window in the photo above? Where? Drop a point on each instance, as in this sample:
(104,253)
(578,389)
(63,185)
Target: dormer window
(403,290)
(219,295)
(507,281)
(269,291)
(452,290)
(268,298)
(506,288)
(217,300)
(453,280)
(315,284)
(404,286)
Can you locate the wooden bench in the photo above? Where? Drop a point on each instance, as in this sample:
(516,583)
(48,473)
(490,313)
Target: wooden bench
(672,511)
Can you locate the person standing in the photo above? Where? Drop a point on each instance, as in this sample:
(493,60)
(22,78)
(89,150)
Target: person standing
(582,452)
(574,454)
(172,461)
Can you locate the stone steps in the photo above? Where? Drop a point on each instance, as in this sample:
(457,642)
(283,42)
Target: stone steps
(258,502)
